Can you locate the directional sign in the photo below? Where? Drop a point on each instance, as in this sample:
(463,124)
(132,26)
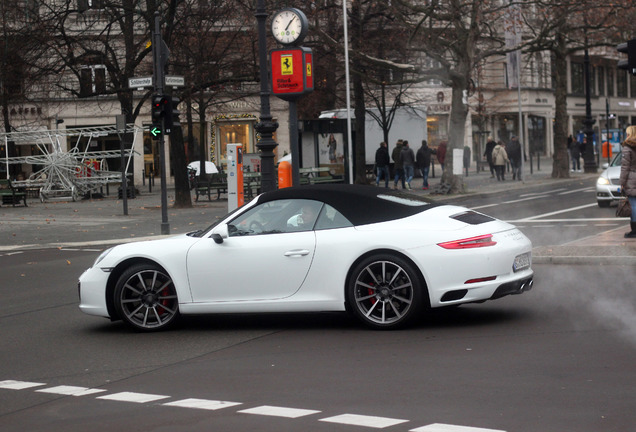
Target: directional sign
(140,82)
(175,81)
(155,131)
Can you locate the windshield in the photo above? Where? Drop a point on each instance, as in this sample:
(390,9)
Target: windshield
(617,159)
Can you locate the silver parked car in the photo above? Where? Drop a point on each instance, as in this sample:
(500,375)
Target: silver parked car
(608,186)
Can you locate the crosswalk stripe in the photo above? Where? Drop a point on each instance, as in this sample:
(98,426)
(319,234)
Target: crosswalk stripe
(268,410)
(362,420)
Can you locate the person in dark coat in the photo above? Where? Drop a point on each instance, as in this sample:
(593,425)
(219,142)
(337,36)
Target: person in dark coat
(423,161)
(397,163)
(408,163)
(382,162)
(513,149)
(628,176)
(575,154)
(467,153)
(441,153)
(488,155)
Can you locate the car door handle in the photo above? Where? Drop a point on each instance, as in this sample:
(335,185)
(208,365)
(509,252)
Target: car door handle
(297,253)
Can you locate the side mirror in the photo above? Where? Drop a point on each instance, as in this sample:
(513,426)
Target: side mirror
(220,233)
(605,165)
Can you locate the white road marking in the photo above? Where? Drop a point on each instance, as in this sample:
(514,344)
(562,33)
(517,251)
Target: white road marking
(362,420)
(266,410)
(18,385)
(274,411)
(133,397)
(202,404)
(70,390)
(587,189)
(539,222)
(439,427)
(560,212)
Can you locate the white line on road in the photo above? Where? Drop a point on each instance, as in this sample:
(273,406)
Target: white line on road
(267,410)
(133,397)
(70,390)
(439,427)
(202,404)
(361,420)
(18,385)
(587,189)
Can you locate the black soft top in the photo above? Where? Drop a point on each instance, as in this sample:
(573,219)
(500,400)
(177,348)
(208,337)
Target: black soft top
(361,205)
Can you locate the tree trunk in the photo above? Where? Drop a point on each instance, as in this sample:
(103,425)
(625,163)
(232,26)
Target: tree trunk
(560,158)
(182,198)
(456,133)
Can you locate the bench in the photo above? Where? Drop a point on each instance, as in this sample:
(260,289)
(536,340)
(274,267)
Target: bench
(325,179)
(10,194)
(215,182)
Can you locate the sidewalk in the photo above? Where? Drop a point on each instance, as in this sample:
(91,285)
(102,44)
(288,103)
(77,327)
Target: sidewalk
(101,221)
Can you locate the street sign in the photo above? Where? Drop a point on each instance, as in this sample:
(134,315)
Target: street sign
(175,81)
(140,82)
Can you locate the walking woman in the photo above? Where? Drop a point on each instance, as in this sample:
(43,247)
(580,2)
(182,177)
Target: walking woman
(628,175)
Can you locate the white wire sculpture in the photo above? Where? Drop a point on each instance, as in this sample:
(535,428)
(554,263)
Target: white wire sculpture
(67,174)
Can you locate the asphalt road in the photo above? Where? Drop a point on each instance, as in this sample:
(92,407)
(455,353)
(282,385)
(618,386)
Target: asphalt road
(559,358)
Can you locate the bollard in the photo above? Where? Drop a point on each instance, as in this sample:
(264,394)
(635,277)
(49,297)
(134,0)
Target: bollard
(284,175)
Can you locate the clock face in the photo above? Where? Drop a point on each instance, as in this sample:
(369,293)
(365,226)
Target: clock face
(289,26)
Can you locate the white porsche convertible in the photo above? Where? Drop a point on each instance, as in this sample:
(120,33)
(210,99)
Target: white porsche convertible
(384,256)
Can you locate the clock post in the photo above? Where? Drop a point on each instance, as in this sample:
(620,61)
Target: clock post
(266,127)
(292,71)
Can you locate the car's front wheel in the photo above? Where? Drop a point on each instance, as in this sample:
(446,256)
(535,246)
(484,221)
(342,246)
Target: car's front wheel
(603,204)
(145,298)
(385,292)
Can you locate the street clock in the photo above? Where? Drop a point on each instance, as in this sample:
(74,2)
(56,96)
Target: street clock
(289,26)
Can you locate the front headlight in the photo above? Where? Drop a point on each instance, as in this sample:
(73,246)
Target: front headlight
(602,181)
(102,256)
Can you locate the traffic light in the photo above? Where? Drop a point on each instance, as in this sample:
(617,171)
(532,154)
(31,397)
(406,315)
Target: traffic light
(172,118)
(629,48)
(160,107)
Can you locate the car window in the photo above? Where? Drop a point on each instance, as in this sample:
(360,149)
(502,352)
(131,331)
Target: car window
(331,218)
(274,217)
(617,159)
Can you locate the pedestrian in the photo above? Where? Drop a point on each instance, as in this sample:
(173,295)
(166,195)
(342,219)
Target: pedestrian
(499,159)
(382,162)
(628,176)
(488,154)
(575,154)
(423,160)
(397,164)
(466,160)
(408,163)
(441,153)
(513,149)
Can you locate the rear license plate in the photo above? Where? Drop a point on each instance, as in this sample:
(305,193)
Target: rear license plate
(522,262)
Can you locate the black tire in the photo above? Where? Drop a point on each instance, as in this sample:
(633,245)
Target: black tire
(385,292)
(145,298)
(603,204)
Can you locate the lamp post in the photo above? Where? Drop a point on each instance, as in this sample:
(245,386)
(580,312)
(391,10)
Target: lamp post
(589,160)
(266,127)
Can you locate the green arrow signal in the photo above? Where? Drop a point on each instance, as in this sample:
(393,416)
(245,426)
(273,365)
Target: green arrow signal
(155,131)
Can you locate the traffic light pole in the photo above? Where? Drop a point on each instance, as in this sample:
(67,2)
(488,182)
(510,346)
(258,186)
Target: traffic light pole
(159,57)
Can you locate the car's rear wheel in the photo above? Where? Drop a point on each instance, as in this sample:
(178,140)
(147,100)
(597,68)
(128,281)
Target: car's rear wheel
(145,298)
(385,292)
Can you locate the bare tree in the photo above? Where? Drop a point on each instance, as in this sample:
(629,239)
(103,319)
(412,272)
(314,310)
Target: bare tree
(564,28)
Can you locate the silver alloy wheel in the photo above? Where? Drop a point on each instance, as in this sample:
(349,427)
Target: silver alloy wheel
(146,298)
(384,293)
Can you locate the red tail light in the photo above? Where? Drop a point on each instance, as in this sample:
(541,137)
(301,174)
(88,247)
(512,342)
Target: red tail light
(472,242)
